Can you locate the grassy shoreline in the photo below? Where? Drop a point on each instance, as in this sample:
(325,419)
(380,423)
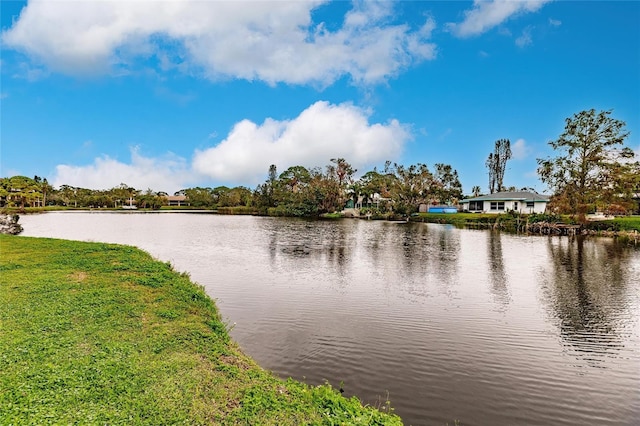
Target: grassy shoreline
(618,225)
(97,333)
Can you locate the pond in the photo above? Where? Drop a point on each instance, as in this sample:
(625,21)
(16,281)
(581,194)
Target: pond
(448,324)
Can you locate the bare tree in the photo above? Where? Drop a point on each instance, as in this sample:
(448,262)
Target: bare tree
(497,164)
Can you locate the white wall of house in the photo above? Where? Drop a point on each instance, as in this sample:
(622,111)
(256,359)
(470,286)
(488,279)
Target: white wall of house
(506,206)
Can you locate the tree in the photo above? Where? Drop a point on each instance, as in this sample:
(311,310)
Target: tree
(374,182)
(218,193)
(238,196)
(21,191)
(295,178)
(447,187)
(122,194)
(476,191)
(199,197)
(341,170)
(412,186)
(149,200)
(264,195)
(45,189)
(497,164)
(592,167)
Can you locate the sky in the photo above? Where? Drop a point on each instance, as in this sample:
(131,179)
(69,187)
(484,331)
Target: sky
(176,94)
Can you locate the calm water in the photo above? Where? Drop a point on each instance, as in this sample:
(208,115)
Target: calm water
(482,327)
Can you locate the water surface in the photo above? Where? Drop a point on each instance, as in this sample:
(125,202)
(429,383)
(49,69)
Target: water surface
(449,324)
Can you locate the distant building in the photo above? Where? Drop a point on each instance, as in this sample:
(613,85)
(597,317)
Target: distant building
(363,201)
(177,200)
(502,202)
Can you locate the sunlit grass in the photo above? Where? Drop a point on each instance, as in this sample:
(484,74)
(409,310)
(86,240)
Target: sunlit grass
(103,334)
(628,223)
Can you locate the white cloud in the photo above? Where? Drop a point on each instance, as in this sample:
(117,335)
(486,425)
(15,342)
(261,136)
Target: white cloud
(486,15)
(321,132)
(520,149)
(169,173)
(269,41)
(554,22)
(525,38)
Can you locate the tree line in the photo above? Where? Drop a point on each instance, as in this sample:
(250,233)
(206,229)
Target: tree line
(592,170)
(297,191)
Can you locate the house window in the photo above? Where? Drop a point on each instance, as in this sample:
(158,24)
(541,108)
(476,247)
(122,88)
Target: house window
(530,204)
(475,205)
(497,205)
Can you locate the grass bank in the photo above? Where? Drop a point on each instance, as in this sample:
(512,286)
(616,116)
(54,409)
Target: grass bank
(103,334)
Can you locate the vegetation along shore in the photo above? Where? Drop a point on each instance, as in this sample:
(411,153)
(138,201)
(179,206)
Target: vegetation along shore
(104,334)
(627,227)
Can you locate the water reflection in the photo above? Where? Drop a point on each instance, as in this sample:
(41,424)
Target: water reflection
(498,275)
(447,253)
(417,259)
(587,294)
(413,256)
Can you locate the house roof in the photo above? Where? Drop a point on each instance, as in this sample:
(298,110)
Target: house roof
(176,198)
(510,196)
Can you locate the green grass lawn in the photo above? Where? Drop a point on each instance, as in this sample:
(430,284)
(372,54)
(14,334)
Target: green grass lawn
(628,223)
(97,333)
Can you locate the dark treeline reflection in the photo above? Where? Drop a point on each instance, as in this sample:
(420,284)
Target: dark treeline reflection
(499,278)
(586,291)
(309,237)
(412,257)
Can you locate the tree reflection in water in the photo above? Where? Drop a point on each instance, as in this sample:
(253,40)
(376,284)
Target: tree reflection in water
(499,277)
(586,293)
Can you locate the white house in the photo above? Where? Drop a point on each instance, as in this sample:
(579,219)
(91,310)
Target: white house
(502,202)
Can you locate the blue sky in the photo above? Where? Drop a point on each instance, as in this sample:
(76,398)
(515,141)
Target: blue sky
(174,94)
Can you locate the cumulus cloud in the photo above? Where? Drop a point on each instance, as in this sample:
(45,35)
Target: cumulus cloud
(269,41)
(321,132)
(486,15)
(555,22)
(169,173)
(520,149)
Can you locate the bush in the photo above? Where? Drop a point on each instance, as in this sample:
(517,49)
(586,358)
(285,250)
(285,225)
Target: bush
(543,217)
(602,225)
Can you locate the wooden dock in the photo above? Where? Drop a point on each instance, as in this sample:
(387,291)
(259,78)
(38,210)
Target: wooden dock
(547,228)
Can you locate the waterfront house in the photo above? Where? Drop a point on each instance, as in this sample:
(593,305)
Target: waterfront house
(177,200)
(502,202)
(364,201)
